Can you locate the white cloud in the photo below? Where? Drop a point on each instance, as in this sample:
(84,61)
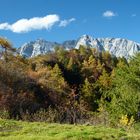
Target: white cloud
(4,26)
(35,23)
(26,25)
(64,23)
(109,14)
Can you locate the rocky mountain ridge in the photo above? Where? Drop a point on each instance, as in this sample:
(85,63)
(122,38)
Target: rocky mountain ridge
(116,46)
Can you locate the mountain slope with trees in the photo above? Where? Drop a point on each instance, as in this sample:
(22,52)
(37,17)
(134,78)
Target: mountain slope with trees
(70,86)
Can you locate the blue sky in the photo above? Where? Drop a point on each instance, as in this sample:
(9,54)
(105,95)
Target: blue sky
(59,20)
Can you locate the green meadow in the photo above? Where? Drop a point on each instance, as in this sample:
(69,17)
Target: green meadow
(19,130)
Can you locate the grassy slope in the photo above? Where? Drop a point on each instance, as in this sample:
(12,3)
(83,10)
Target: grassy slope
(18,130)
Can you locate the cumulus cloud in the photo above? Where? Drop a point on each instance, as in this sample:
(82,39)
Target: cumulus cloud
(35,23)
(26,25)
(109,14)
(64,23)
(4,26)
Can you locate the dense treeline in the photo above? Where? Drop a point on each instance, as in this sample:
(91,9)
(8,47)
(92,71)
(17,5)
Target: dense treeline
(74,86)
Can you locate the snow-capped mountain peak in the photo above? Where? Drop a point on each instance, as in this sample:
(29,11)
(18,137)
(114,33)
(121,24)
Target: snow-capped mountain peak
(116,46)
(38,47)
(85,40)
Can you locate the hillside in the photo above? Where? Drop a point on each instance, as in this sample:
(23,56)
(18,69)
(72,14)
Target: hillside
(76,86)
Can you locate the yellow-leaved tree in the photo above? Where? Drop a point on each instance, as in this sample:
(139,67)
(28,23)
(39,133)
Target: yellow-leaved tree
(5,47)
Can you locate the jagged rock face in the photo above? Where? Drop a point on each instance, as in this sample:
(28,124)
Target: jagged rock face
(69,44)
(116,46)
(37,47)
